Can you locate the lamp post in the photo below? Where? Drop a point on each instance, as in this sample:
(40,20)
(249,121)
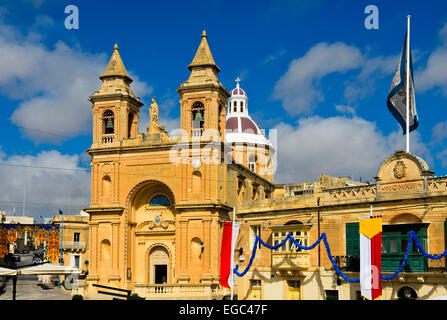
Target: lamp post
(60,252)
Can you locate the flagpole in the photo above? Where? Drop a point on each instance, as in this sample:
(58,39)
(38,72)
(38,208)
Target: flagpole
(232,252)
(408,85)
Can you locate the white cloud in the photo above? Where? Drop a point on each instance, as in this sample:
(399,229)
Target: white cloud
(36,3)
(439,132)
(442,156)
(52,85)
(372,69)
(345,109)
(337,146)
(434,74)
(276,55)
(299,88)
(45,189)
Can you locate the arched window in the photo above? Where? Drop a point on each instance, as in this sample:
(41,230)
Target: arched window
(108,120)
(252,163)
(159,200)
(198,118)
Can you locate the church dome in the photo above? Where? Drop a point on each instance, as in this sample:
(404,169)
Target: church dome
(241,128)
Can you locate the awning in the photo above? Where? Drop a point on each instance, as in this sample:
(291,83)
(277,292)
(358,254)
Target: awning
(7,272)
(48,268)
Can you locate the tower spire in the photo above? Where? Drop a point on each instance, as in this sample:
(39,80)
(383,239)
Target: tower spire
(203,57)
(115,67)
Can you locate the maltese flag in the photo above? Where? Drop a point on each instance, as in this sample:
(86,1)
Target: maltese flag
(370,257)
(229,238)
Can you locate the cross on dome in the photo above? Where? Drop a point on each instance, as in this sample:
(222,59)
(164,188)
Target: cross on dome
(237,82)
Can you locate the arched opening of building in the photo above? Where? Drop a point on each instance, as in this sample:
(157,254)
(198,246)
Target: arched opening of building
(159,264)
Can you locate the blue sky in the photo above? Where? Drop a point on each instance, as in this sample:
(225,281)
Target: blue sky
(311,70)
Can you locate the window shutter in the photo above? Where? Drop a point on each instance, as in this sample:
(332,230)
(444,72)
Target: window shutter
(352,239)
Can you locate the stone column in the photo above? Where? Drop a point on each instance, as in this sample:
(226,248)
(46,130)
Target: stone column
(115,251)
(93,258)
(377,186)
(206,277)
(182,251)
(93,248)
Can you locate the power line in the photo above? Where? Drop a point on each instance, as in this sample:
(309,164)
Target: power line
(37,130)
(56,205)
(40,167)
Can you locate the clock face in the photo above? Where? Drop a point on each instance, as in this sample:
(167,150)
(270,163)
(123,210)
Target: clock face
(196,162)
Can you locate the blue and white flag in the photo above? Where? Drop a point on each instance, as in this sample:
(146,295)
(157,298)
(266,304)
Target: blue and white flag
(396,100)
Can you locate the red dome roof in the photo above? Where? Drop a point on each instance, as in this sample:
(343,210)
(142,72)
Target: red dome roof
(247,125)
(238,91)
(243,129)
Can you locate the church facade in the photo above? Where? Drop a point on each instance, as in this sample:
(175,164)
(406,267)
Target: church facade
(158,201)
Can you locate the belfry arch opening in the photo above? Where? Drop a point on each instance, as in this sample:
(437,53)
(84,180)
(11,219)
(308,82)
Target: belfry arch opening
(108,120)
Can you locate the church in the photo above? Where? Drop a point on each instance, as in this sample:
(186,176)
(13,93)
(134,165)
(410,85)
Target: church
(158,203)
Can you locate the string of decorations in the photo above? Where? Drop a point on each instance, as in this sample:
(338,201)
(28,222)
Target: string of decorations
(412,237)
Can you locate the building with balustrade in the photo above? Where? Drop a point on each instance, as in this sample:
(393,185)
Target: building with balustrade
(159,201)
(405,192)
(75,239)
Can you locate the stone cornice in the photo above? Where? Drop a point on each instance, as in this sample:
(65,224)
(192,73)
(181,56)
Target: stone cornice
(104,210)
(107,97)
(202,205)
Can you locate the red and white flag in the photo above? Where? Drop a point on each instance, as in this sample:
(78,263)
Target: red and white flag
(370,257)
(229,238)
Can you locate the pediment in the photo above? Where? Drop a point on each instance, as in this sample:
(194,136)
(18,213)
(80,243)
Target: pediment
(403,166)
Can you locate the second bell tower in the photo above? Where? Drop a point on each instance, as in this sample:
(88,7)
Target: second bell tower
(202,97)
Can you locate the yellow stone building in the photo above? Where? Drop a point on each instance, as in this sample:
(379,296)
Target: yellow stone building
(158,202)
(75,240)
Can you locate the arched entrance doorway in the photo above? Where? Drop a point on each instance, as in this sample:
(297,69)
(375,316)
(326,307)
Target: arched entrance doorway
(159,265)
(152,236)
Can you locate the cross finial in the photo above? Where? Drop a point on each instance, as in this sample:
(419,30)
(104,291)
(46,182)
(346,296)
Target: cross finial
(237,82)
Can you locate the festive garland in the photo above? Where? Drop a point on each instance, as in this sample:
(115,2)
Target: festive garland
(9,233)
(323,237)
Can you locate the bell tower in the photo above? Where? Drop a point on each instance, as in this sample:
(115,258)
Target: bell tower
(115,107)
(202,97)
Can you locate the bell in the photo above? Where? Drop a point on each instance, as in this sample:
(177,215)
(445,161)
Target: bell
(198,116)
(109,124)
